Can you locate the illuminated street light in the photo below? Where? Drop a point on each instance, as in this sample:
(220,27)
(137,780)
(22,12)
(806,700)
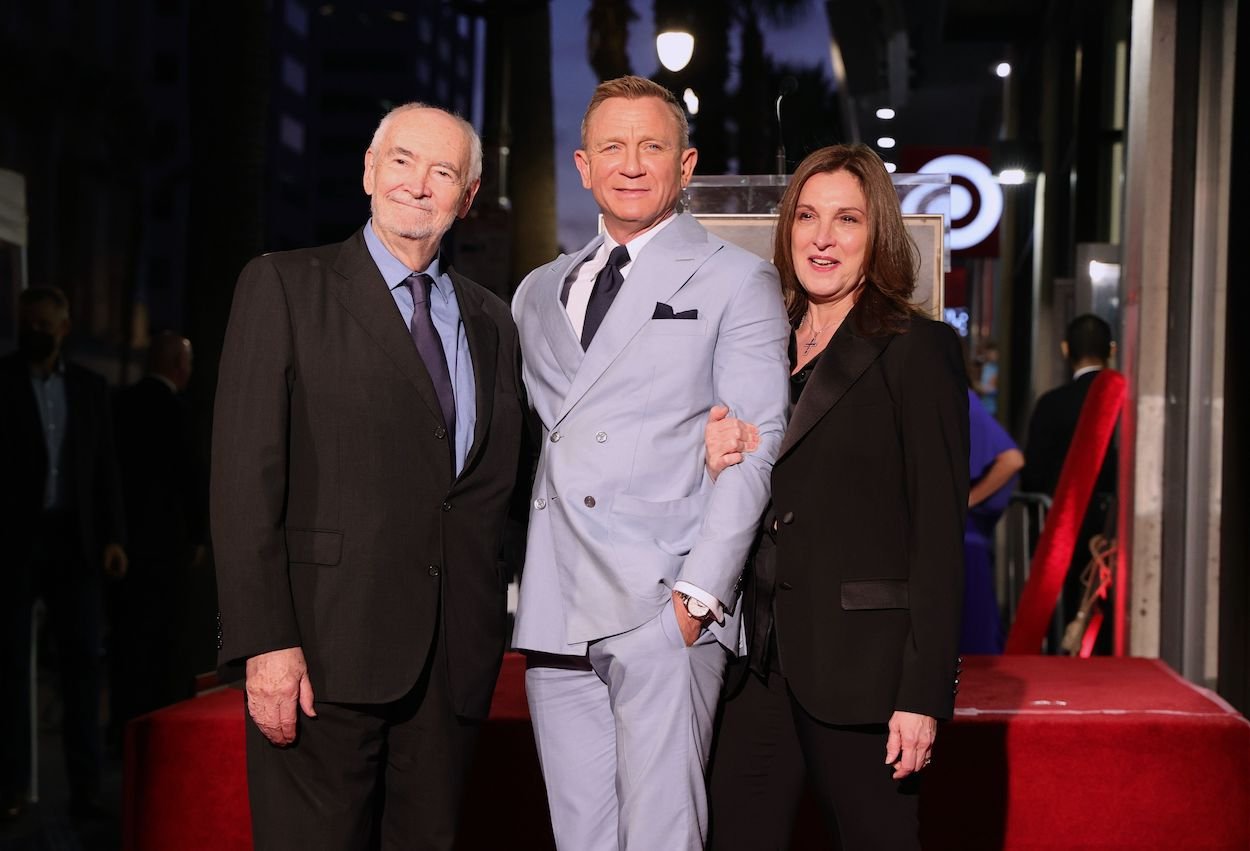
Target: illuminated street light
(1011,176)
(675,49)
(1003,69)
(885,142)
(692,101)
(891,167)
(885,113)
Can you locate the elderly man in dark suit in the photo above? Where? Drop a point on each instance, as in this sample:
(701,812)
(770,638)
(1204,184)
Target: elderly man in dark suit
(365,447)
(61,529)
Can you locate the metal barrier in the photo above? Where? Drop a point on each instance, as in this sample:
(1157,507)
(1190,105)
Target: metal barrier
(1021,526)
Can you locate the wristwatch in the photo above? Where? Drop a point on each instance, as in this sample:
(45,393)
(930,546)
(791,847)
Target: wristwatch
(697,609)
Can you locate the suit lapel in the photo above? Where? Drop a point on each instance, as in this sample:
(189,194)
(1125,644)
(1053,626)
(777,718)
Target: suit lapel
(557,328)
(666,264)
(483,339)
(364,294)
(844,360)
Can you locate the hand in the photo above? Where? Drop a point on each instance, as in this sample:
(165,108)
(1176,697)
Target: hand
(690,626)
(276,682)
(910,745)
(115,561)
(726,439)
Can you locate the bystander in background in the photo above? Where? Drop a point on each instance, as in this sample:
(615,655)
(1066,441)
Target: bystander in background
(61,532)
(166,494)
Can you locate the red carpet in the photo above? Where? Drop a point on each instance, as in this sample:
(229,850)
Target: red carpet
(1045,753)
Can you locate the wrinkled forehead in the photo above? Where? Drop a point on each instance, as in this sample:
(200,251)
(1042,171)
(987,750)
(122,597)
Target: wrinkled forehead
(429,132)
(648,116)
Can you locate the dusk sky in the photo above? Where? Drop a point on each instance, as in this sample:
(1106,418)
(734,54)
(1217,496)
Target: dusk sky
(806,41)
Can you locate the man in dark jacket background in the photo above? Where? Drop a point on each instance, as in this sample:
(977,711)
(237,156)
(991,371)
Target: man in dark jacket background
(61,528)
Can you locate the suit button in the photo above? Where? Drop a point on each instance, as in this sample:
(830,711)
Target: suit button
(446,506)
(433,570)
(786,586)
(787,518)
(601,437)
(440,432)
(590,501)
(540,503)
(555,437)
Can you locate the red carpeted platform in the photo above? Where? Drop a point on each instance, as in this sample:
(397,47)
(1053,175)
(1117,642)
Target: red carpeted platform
(1045,753)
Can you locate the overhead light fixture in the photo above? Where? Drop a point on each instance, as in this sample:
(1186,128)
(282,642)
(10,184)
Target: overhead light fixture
(885,142)
(674,48)
(1003,69)
(891,167)
(885,113)
(1100,273)
(692,101)
(1012,176)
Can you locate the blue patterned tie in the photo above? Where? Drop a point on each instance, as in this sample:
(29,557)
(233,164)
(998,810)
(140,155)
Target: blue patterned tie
(430,347)
(607,285)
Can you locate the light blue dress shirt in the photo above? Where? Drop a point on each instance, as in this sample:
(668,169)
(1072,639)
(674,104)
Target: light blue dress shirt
(445,311)
(53,407)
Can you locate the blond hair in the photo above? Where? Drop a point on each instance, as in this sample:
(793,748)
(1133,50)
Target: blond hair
(635,88)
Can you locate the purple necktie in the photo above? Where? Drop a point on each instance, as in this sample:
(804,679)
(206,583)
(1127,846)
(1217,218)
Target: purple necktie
(607,285)
(430,347)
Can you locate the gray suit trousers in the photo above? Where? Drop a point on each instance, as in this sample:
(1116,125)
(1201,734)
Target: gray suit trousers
(624,740)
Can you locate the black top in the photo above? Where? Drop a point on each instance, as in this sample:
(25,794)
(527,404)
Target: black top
(798,380)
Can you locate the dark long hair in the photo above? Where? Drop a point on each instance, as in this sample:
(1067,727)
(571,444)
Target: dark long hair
(891,259)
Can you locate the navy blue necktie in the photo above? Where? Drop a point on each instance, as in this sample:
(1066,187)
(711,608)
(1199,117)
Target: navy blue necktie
(607,285)
(430,347)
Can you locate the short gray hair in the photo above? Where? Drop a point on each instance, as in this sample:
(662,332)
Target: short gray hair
(475,143)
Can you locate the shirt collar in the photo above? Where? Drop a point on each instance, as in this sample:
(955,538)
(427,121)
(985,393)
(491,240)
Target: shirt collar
(1085,370)
(394,272)
(57,370)
(639,242)
(173,388)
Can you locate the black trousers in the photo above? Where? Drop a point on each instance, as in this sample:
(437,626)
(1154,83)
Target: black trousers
(148,648)
(370,776)
(767,745)
(71,591)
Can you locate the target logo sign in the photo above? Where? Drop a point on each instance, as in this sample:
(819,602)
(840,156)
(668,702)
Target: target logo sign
(976,199)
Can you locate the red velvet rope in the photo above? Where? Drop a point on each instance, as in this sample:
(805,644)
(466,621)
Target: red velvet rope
(1053,555)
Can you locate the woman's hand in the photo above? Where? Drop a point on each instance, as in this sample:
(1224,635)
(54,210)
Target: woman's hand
(726,439)
(910,745)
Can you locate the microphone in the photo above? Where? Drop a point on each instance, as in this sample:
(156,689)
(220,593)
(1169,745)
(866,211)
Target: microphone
(789,85)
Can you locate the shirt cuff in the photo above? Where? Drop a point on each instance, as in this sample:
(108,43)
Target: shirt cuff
(718,611)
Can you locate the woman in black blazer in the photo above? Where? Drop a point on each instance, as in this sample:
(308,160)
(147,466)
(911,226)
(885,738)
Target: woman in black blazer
(853,599)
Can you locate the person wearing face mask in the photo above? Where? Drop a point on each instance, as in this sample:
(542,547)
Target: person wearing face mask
(853,601)
(61,530)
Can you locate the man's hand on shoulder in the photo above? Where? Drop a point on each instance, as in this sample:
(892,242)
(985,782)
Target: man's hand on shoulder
(276,683)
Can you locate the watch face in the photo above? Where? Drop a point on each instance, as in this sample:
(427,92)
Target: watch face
(697,608)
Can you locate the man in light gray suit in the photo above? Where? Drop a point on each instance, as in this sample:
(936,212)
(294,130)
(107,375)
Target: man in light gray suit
(628,599)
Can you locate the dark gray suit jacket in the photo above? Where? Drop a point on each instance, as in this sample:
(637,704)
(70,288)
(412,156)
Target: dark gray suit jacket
(337,523)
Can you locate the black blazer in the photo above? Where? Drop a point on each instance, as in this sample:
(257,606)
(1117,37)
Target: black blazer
(870,490)
(165,487)
(337,525)
(1051,428)
(88,462)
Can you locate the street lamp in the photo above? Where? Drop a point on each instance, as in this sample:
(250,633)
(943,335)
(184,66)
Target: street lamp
(674,48)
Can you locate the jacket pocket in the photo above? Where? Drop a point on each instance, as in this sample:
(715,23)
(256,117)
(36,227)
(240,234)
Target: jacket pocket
(313,546)
(862,594)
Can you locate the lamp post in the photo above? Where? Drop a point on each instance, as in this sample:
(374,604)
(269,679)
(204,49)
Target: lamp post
(674,47)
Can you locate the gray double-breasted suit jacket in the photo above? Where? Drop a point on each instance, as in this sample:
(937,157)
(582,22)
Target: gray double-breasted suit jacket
(622,506)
